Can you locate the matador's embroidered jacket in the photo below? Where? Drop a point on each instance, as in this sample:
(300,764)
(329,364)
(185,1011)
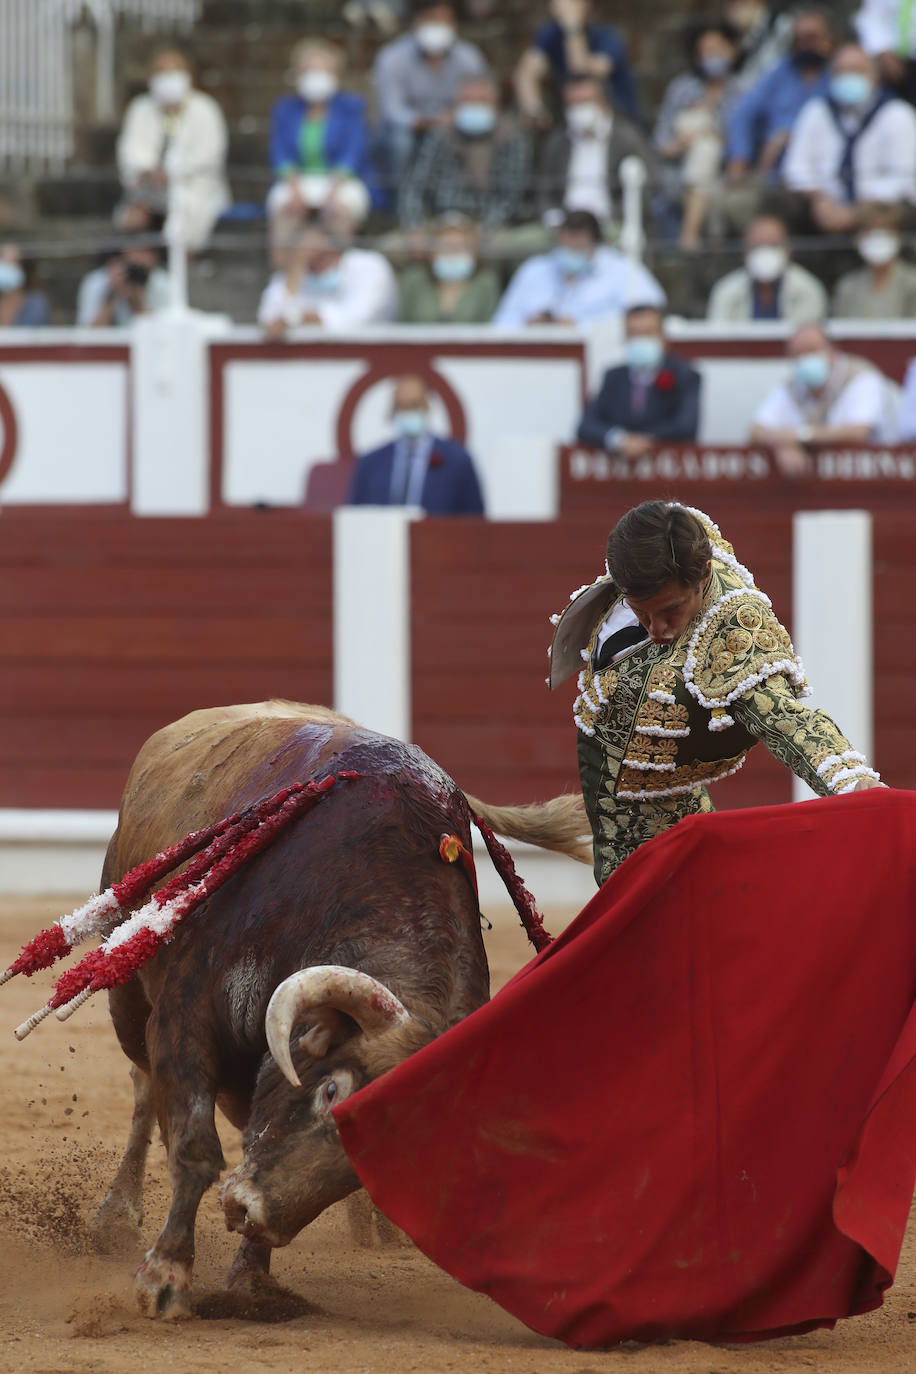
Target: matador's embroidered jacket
(665,720)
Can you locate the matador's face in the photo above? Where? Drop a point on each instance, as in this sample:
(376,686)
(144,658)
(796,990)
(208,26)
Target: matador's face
(667,614)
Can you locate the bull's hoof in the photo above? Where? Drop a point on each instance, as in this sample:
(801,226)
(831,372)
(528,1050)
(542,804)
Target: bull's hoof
(162,1288)
(115,1228)
(252,1295)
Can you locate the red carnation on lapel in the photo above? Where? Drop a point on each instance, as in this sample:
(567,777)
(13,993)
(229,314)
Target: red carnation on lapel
(436,460)
(665,380)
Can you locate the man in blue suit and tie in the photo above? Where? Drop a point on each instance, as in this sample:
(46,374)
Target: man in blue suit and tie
(653,398)
(417,468)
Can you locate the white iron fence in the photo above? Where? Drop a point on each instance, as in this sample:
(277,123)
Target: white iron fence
(36,69)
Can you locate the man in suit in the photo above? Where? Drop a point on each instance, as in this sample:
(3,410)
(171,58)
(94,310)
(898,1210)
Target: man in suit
(654,397)
(418,468)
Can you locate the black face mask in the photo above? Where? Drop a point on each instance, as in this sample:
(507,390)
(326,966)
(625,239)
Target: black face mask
(809,60)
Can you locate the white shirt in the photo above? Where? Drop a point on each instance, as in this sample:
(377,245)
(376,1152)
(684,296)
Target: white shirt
(887,26)
(883,159)
(612,283)
(906,416)
(586,178)
(367,294)
(863,401)
(619,617)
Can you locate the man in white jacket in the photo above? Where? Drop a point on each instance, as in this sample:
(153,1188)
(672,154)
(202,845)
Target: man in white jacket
(858,144)
(172,152)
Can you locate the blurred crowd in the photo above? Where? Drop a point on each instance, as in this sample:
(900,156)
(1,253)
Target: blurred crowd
(460,195)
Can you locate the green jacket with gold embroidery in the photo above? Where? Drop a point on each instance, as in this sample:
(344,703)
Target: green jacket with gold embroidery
(663,721)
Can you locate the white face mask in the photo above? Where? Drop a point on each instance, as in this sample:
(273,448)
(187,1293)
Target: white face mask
(316,85)
(170,88)
(878,246)
(767,262)
(584,118)
(435,39)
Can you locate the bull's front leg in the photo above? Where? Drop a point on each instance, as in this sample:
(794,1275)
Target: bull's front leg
(186,1099)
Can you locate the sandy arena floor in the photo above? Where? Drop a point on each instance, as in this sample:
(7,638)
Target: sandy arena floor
(63,1119)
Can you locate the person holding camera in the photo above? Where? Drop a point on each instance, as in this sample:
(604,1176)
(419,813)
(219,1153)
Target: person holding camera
(129,281)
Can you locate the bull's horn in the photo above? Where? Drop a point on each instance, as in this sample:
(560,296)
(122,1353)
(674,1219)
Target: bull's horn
(328,987)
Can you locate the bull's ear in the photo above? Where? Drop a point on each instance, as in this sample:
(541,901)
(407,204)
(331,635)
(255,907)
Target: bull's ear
(329,1030)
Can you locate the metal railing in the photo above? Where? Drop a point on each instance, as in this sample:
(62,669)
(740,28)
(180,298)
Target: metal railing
(37,112)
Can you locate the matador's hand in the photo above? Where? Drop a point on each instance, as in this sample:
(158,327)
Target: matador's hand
(864,784)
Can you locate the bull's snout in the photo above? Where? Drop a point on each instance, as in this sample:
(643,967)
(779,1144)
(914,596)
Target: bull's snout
(243,1208)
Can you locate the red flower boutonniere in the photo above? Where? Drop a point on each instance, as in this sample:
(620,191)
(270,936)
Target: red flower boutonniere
(665,381)
(436,460)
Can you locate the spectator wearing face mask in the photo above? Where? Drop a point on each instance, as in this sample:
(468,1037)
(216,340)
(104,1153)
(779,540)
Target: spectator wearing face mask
(831,398)
(129,281)
(21,306)
(760,124)
(856,144)
(689,134)
(580,164)
(418,468)
(452,288)
(579,280)
(653,398)
(885,287)
(417,79)
(327,283)
(478,165)
(319,143)
(770,286)
(573,43)
(172,152)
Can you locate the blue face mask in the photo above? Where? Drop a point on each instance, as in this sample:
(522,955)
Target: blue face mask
(571,262)
(12,276)
(715,67)
(850,88)
(327,282)
(453,266)
(812,370)
(644,352)
(474,118)
(410,423)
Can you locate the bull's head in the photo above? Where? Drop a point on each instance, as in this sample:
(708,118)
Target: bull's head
(330,1030)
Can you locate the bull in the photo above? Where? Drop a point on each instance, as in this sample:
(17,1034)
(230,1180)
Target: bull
(340,950)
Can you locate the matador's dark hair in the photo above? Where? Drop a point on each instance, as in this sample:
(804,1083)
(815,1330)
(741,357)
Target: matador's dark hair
(654,544)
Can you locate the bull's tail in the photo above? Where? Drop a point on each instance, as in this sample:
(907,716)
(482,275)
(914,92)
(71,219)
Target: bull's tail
(559,824)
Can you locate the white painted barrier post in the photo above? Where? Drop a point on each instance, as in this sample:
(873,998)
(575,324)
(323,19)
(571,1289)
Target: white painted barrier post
(372,616)
(832,619)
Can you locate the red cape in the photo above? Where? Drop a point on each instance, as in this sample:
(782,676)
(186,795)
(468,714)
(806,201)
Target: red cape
(694,1114)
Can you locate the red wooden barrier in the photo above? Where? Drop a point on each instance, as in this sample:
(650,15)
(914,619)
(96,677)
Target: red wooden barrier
(111,626)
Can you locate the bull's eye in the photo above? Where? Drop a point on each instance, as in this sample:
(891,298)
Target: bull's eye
(330,1090)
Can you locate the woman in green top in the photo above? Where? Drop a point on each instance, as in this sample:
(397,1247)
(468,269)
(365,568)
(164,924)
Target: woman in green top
(452,288)
(319,144)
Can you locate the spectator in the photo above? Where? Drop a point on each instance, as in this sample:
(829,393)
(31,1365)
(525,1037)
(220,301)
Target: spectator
(572,44)
(759,126)
(452,288)
(906,416)
(21,306)
(418,468)
(479,165)
(580,164)
(654,397)
(690,130)
(769,286)
(581,279)
(887,32)
(329,284)
(172,151)
(885,288)
(832,398)
(129,281)
(417,78)
(319,143)
(857,145)
(763,37)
